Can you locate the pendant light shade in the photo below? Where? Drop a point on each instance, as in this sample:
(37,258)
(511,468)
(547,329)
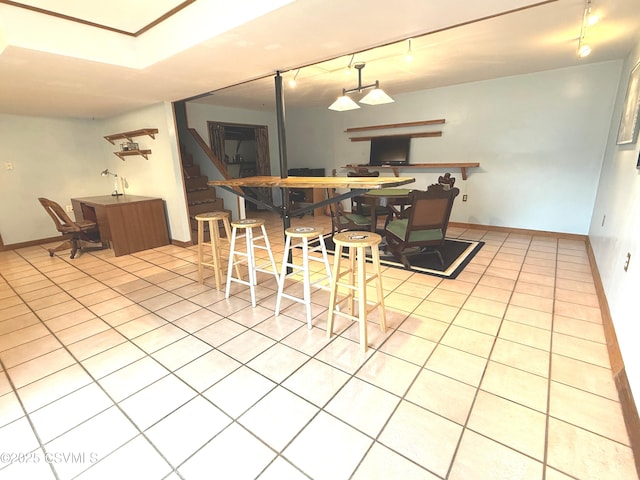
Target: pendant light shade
(376,97)
(343,103)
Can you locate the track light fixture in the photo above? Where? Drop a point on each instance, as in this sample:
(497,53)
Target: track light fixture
(409,56)
(589,18)
(292,81)
(347,69)
(375,97)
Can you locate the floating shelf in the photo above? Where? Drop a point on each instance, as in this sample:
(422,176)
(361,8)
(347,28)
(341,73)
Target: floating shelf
(437,133)
(130,135)
(128,153)
(151,132)
(396,168)
(420,123)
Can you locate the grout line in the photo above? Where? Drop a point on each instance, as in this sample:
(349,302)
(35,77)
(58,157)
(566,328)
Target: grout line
(313,356)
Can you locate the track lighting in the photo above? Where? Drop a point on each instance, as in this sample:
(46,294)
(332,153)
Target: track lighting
(409,56)
(292,81)
(347,69)
(589,18)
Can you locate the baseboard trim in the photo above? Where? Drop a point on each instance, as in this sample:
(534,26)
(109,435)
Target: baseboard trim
(33,243)
(179,243)
(627,403)
(523,231)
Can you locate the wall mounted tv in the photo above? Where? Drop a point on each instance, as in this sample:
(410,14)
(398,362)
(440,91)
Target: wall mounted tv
(393,150)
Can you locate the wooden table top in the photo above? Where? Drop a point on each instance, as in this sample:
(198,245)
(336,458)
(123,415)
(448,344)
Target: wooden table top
(388,193)
(113,199)
(315,182)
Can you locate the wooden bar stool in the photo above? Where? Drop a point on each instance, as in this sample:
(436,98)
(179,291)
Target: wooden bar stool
(356,281)
(304,234)
(212,218)
(248,257)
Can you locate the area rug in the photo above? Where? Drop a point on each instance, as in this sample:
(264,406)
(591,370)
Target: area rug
(456,253)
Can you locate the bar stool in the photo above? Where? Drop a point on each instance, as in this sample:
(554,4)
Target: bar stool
(356,281)
(248,257)
(212,218)
(304,234)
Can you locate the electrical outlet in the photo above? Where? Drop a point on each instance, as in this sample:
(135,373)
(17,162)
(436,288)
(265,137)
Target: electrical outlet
(626,263)
(69,208)
(464,198)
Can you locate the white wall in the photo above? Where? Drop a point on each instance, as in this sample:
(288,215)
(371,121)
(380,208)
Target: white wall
(618,200)
(160,175)
(539,138)
(61,158)
(53,158)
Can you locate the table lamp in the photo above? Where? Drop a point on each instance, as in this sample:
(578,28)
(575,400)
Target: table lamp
(106,173)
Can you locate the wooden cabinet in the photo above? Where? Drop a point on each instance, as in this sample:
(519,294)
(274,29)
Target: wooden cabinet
(314,195)
(129,136)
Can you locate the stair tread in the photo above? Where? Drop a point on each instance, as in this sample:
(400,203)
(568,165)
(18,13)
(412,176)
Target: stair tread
(204,200)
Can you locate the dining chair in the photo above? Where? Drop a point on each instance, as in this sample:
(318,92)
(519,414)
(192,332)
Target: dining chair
(341,220)
(447,179)
(424,226)
(358,204)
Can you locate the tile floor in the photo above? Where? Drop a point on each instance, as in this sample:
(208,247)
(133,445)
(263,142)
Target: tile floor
(128,368)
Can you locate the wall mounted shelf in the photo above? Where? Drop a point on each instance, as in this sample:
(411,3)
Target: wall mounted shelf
(420,123)
(128,153)
(437,133)
(129,136)
(396,168)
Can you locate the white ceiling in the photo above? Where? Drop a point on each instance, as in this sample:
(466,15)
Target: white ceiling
(97,59)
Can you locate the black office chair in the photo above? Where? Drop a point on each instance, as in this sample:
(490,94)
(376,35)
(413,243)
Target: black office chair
(84,231)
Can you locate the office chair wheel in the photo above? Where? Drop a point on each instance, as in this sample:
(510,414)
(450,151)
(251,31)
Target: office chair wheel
(50,253)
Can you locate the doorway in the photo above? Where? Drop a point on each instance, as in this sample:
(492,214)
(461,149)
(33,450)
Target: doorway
(243,149)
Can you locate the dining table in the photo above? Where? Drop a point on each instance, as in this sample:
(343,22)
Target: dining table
(354,186)
(385,201)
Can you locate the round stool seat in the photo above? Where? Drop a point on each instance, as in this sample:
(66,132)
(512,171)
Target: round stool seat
(203,217)
(304,232)
(357,239)
(247,223)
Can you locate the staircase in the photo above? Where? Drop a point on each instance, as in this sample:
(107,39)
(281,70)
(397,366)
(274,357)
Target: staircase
(201,198)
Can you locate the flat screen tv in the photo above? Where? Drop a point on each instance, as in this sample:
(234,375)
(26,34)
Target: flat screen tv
(389,150)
